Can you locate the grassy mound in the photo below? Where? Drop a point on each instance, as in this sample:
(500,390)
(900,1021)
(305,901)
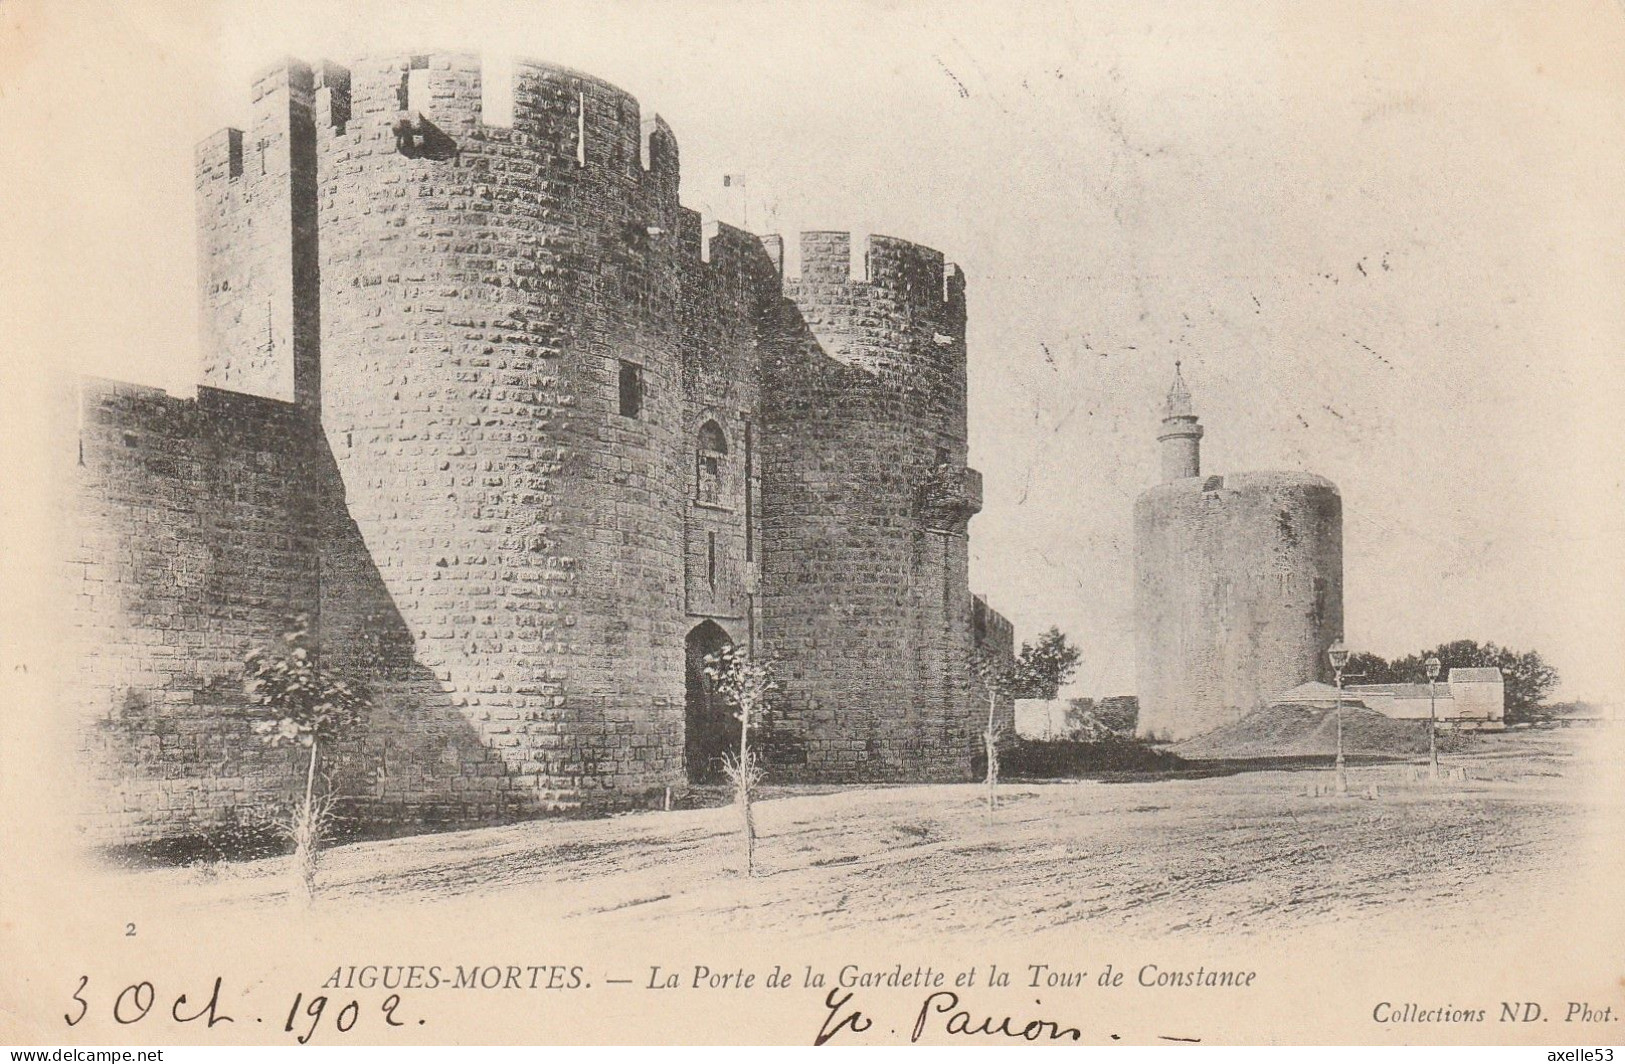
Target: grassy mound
(1296,730)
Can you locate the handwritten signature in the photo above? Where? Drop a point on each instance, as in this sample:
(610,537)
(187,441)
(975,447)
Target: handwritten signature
(959,1022)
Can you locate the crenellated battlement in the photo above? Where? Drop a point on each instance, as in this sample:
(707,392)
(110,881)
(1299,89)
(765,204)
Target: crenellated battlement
(290,75)
(659,145)
(826,257)
(577,118)
(220,157)
(332,95)
(142,410)
(256,236)
(728,247)
(915,276)
(282,98)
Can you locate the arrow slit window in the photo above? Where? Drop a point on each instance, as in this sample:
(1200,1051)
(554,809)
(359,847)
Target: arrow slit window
(631,389)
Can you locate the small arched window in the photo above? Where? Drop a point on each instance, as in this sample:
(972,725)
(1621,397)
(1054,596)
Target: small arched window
(712,448)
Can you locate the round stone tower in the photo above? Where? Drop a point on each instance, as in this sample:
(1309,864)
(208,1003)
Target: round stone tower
(1238,584)
(568,445)
(866,499)
(502,392)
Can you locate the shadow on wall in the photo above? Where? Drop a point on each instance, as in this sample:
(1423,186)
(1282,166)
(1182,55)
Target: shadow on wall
(426,759)
(419,138)
(178,773)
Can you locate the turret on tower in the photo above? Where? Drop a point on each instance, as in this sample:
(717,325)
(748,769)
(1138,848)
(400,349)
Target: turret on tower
(1181,434)
(1238,584)
(256,210)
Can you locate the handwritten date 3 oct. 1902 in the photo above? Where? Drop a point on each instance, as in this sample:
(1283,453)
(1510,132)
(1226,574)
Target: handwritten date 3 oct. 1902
(135,1002)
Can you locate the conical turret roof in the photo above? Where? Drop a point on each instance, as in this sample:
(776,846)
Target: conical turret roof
(1179,398)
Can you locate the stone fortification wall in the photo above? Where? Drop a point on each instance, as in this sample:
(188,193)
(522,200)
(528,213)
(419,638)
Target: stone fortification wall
(194,537)
(866,495)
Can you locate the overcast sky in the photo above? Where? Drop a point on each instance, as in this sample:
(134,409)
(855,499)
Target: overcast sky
(1385,239)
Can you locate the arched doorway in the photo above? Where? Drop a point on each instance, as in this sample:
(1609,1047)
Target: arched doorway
(710,729)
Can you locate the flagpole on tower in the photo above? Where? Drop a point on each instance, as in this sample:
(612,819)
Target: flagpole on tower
(738,180)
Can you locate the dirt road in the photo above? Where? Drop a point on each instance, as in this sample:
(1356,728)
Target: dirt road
(1249,852)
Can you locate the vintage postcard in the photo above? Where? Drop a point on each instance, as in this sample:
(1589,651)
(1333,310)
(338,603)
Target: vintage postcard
(814,523)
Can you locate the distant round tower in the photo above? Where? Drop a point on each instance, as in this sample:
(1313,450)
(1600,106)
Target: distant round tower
(1238,584)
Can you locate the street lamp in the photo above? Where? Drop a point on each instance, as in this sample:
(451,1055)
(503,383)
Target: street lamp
(1338,655)
(1432,666)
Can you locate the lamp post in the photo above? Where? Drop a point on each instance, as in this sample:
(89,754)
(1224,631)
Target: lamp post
(1432,666)
(1338,655)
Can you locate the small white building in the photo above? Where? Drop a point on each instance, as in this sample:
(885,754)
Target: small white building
(1465,698)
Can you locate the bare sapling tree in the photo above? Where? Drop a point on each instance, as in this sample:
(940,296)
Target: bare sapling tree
(299,703)
(746,684)
(995,676)
(1039,670)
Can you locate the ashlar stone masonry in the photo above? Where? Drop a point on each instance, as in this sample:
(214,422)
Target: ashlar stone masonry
(486,402)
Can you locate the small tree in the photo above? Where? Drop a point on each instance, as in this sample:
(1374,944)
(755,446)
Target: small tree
(300,703)
(1373,668)
(745,684)
(1040,670)
(998,677)
(1044,666)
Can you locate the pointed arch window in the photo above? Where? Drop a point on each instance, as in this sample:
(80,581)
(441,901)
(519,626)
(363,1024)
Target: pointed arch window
(710,454)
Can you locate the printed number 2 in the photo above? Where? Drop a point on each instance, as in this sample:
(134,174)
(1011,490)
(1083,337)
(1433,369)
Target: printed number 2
(129,930)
